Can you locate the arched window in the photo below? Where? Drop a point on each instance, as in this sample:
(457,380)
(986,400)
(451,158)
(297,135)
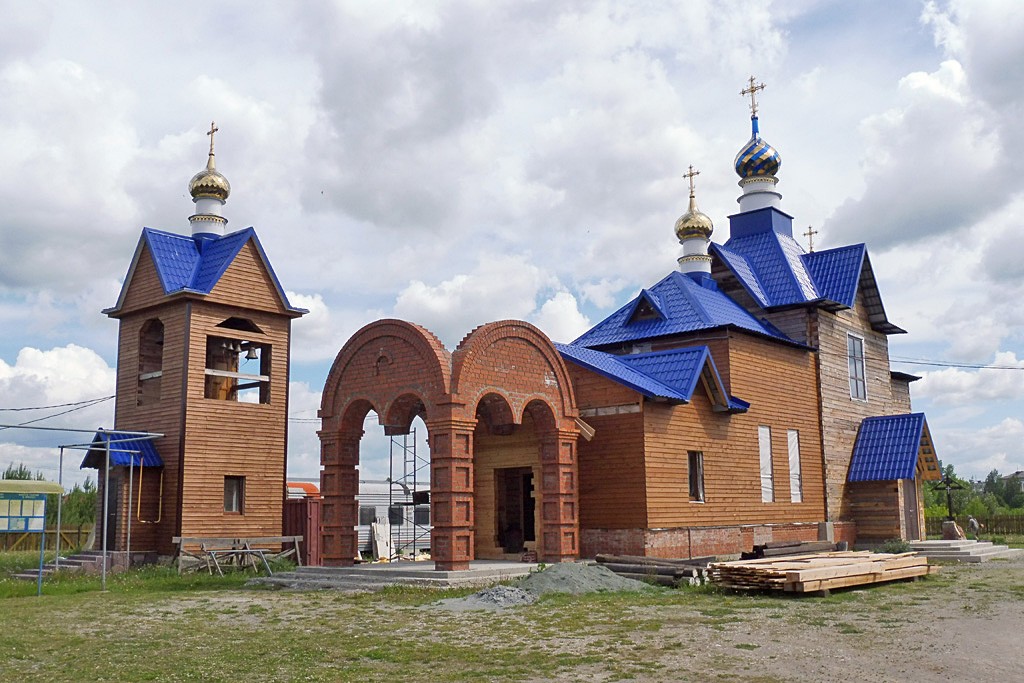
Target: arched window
(151,361)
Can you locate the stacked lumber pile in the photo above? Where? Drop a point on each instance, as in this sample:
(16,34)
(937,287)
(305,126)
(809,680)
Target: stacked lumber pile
(665,572)
(819,572)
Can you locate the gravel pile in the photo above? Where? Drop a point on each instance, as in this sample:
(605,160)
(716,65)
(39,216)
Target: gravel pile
(566,577)
(576,578)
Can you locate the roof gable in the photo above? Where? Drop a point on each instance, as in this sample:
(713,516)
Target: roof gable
(685,305)
(889,447)
(672,375)
(195,265)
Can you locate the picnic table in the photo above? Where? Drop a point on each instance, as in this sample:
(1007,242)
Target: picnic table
(240,552)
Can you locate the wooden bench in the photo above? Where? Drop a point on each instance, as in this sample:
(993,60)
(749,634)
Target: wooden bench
(243,551)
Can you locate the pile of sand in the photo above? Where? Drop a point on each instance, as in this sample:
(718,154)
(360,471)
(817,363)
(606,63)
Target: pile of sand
(566,577)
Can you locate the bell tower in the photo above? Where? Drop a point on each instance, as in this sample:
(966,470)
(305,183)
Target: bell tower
(203,358)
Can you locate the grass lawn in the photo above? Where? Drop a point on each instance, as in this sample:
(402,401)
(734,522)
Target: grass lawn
(154,625)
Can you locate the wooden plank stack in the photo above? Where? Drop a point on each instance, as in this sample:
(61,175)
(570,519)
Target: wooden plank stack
(819,572)
(665,572)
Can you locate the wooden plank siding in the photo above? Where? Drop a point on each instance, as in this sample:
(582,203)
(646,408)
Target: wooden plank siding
(208,438)
(229,438)
(875,505)
(779,383)
(612,488)
(842,415)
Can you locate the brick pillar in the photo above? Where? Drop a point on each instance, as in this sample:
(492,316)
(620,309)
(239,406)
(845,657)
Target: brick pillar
(339,486)
(451,493)
(559,526)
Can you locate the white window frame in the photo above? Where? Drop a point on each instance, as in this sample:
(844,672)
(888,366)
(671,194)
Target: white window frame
(796,483)
(764,447)
(855,362)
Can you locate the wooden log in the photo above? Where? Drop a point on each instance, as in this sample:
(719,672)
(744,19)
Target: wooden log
(640,559)
(645,569)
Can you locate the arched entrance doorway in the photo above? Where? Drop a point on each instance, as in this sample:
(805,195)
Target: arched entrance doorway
(505,380)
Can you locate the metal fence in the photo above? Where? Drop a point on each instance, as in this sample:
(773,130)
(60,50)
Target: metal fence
(70,538)
(993,524)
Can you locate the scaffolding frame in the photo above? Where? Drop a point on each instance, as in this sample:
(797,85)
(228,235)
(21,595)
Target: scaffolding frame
(415,471)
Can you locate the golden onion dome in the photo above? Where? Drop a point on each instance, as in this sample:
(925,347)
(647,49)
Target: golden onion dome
(694,223)
(210,183)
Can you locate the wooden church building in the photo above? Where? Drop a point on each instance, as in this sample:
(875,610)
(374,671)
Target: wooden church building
(203,358)
(746,397)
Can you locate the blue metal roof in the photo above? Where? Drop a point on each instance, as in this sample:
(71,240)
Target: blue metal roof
(887,447)
(196,264)
(124,451)
(672,374)
(777,270)
(687,306)
(612,367)
(836,272)
(774,269)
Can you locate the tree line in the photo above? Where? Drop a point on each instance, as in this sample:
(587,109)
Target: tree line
(995,495)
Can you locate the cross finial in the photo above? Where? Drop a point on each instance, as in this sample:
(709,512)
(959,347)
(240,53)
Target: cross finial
(811,232)
(752,91)
(690,176)
(213,129)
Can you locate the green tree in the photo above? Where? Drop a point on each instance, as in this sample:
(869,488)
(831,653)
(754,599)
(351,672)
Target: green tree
(20,471)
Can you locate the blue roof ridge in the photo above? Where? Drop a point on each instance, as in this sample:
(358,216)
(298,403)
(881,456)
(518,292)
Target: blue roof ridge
(728,255)
(684,287)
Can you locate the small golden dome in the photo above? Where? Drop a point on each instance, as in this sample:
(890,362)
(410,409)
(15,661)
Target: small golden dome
(210,183)
(694,223)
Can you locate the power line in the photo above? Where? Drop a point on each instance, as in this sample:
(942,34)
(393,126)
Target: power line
(951,364)
(58,405)
(88,404)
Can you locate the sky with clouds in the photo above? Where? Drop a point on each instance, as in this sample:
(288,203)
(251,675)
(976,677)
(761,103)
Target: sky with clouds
(452,163)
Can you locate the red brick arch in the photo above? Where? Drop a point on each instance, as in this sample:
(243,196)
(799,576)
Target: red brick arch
(402,371)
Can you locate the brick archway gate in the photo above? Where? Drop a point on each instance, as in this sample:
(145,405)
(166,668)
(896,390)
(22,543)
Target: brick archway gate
(502,374)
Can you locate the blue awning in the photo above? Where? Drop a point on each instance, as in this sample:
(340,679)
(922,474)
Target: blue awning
(125,450)
(890,447)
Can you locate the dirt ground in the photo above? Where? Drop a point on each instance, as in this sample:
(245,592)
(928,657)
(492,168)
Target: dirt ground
(966,626)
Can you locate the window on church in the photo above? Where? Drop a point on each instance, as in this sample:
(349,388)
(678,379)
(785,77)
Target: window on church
(764,443)
(695,466)
(151,361)
(858,376)
(237,370)
(796,483)
(234,494)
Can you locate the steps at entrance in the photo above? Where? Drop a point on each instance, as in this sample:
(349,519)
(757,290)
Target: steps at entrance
(964,551)
(88,561)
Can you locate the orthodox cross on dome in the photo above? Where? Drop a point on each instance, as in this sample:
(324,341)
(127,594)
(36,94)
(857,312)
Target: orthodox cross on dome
(752,91)
(811,232)
(213,129)
(690,176)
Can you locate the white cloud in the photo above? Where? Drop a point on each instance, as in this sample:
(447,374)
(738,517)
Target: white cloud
(977,452)
(499,287)
(955,386)
(50,378)
(560,318)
